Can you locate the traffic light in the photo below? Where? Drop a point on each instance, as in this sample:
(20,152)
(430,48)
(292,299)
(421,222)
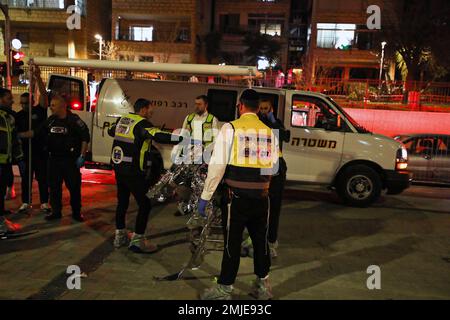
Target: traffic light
(17,63)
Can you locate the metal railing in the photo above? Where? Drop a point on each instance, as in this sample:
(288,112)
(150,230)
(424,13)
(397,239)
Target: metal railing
(352,93)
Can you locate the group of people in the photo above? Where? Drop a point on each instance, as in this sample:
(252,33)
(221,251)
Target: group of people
(246,167)
(59,142)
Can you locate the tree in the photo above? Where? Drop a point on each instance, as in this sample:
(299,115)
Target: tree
(417,35)
(167,41)
(259,46)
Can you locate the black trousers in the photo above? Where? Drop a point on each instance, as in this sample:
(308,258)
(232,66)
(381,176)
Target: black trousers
(39,171)
(276,197)
(251,214)
(137,185)
(10,176)
(5,178)
(64,170)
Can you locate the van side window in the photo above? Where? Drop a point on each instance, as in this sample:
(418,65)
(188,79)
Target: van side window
(273,99)
(311,112)
(423,146)
(222,104)
(71,89)
(409,145)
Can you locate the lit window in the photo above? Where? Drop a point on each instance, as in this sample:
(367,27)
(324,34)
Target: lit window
(142,33)
(273,29)
(337,36)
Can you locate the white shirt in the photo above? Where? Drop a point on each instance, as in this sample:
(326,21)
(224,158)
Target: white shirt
(221,157)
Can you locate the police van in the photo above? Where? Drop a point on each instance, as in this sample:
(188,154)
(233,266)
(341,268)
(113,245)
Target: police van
(327,147)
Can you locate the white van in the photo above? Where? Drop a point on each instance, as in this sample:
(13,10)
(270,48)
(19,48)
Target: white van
(327,146)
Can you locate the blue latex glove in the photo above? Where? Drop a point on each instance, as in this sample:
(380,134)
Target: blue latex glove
(271,117)
(202,207)
(80,162)
(22,168)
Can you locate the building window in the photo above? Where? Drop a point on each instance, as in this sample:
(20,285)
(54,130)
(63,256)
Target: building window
(139,33)
(146,58)
(184,35)
(51,4)
(273,29)
(335,36)
(271,24)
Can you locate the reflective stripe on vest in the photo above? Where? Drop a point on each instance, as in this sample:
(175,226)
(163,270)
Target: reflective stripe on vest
(125,134)
(5,138)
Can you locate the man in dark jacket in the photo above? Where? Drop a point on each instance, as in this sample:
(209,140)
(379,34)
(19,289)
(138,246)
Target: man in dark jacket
(10,151)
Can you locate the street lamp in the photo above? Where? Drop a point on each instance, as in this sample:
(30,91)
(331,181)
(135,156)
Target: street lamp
(100,42)
(383,44)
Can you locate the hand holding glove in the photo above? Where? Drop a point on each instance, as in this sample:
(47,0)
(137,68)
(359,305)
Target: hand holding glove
(202,207)
(80,162)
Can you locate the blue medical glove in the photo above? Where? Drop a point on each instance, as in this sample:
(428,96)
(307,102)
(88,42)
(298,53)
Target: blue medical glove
(202,207)
(80,162)
(271,117)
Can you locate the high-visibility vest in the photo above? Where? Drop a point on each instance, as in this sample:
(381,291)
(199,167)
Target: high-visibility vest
(5,138)
(207,127)
(250,163)
(125,151)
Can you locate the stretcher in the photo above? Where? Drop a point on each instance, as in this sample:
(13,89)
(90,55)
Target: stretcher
(205,234)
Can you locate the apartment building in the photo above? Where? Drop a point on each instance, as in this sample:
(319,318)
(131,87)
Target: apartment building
(340,45)
(235,18)
(157,31)
(41,26)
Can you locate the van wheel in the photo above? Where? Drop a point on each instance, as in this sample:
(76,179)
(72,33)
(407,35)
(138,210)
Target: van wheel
(359,186)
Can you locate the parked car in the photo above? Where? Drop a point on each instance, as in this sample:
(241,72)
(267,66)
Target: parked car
(429,157)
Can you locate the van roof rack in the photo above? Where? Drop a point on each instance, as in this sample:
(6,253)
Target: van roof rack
(178,68)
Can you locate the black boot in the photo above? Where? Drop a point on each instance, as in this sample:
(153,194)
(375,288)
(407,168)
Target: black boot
(78,217)
(53,216)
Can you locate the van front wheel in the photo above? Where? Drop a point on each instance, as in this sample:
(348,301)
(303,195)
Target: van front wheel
(359,186)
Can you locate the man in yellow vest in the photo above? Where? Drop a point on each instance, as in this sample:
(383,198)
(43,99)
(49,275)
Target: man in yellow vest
(202,127)
(266,115)
(133,136)
(245,154)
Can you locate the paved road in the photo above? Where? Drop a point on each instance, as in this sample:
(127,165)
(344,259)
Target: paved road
(325,250)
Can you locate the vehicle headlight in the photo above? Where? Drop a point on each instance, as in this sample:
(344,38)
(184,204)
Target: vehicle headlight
(401,159)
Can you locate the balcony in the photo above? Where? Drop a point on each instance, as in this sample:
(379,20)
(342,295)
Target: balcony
(35,4)
(43,4)
(40,12)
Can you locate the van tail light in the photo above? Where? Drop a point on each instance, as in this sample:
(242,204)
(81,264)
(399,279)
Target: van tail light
(401,161)
(94,104)
(76,106)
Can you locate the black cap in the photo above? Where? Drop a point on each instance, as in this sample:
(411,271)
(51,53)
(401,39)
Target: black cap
(250,95)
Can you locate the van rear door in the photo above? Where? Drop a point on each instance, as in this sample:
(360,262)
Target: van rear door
(74,90)
(314,153)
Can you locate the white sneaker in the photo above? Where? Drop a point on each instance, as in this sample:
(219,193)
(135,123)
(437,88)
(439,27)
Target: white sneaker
(24,208)
(45,208)
(121,238)
(161,199)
